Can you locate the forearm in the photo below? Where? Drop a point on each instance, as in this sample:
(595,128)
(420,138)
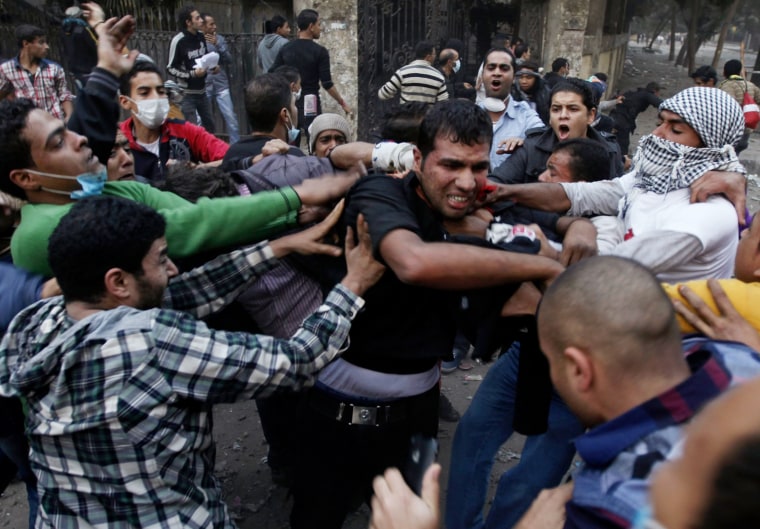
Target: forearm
(215,366)
(211,287)
(546,197)
(450,267)
(96,113)
(68,108)
(336,96)
(348,155)
(223,222)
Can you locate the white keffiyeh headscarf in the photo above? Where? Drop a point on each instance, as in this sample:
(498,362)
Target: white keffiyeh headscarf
(663,165)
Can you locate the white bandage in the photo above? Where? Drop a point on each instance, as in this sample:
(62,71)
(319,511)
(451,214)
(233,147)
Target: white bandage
(393,157)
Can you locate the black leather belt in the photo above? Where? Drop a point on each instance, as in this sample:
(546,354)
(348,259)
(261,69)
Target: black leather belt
(361,414)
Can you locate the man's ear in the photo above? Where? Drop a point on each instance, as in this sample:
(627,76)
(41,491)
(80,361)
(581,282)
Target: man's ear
(24,179)
(118,283)
(591,116)
(580,369)
(417,160)
(125,103)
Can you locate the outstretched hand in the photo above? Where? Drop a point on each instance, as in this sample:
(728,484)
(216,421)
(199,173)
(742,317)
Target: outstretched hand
(113,35)
(395,506)
(363,269)
(727,324)
(309,241)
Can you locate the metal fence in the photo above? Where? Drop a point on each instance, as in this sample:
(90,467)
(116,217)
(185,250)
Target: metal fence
(242,47)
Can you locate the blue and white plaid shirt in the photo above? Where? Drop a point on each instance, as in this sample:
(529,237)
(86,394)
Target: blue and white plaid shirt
(120,402)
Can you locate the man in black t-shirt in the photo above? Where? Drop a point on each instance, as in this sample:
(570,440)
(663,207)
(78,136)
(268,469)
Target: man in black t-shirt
(271,109)
(359,417)
(313,63)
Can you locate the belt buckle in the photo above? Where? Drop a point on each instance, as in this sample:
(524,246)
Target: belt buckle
(364,415)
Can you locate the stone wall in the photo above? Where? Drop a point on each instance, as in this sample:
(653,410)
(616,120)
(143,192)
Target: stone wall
(339,36)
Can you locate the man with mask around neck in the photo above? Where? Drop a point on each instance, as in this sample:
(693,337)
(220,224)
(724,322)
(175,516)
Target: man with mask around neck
(511,119)
(155,140)
(40,160)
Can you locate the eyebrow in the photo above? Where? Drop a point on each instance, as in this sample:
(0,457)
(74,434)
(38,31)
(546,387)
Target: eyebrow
(677,120)
(57,131)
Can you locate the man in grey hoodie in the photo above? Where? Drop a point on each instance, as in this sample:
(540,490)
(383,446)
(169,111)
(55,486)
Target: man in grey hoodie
(277,32)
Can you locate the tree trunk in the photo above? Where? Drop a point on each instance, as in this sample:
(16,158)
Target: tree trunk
(657,32)
(681,59)
(724,30)
(691,38)
(756,76)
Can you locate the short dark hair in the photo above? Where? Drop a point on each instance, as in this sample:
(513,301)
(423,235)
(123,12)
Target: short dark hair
(306,18)
(290,73)
(125,82)
(402,124)
(459,121)
(732,67)
(576,86)
(423,48)
(192,183)
(705,73)
(559,63)
(502,50)
(276,22)
(601,76)
(27,33)
(184,14)
(520,49)
(97,234)
(15,151)
(265,97)
(589,159)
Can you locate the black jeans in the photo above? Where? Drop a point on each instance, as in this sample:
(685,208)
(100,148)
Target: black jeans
(336,462)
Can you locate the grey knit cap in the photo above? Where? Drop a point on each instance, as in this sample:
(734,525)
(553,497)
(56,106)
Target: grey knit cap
(325,122)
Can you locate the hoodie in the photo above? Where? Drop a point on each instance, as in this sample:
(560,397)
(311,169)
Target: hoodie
(268,48)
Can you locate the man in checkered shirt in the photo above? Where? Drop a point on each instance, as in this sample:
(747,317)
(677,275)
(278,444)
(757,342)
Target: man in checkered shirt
(32,76)
(120,392)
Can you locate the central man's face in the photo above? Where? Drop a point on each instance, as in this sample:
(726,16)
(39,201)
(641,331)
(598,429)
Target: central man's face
(452,175)
(568,116)
(498,74)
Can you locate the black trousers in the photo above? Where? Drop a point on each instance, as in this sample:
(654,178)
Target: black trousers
(336,461)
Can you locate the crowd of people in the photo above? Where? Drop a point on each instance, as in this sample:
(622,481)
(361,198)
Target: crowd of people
(151,270)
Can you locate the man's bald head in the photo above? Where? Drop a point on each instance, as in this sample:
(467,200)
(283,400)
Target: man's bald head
(615,310)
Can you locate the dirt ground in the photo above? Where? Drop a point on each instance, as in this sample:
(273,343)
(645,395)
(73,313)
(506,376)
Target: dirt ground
(241,451)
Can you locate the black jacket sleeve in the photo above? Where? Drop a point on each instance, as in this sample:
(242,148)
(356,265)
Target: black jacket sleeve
(96,113)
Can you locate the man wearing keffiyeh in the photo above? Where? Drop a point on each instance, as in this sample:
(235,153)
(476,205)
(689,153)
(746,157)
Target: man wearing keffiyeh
(698,131)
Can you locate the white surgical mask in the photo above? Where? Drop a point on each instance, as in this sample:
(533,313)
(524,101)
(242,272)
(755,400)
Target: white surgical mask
(457,65)
(91,183)
(151,112)
(494,104)
(298,94)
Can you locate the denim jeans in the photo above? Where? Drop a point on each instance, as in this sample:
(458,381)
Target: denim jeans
(16,449)
(224,102)
(482,430)
(192,103)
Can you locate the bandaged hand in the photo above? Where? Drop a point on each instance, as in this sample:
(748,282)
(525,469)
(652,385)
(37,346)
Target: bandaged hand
(393,157)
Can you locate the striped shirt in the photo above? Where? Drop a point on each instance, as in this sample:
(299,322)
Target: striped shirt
(120,402)
(417,81)
(46,87)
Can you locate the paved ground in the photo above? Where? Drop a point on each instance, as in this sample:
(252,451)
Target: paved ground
(255,502)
